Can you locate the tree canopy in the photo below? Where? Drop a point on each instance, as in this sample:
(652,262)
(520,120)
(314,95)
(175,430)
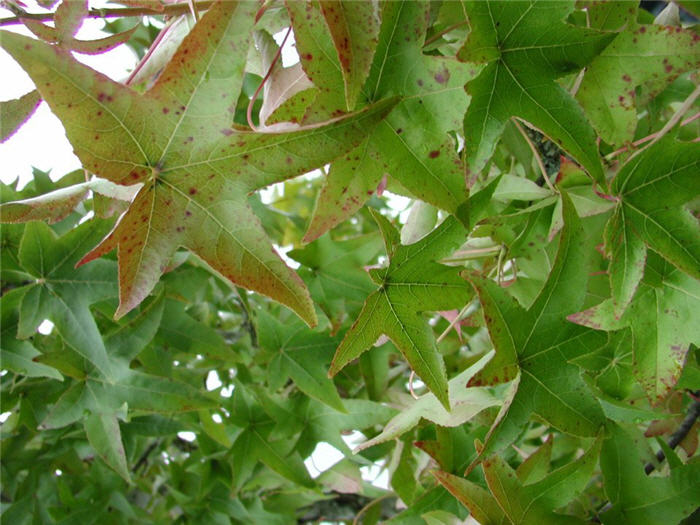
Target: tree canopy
(518,344)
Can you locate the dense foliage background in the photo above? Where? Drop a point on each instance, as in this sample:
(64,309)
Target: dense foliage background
(518,346)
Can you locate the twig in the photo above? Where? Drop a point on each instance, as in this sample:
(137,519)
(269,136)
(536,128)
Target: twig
(156,42)
(536,154)
(456,320)
(687,103)
(410,384)
(144,457)
(115,12)
(678,435)
(641,141)
(249,111)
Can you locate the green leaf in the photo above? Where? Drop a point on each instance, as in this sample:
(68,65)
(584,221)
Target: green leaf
(664,173)
(406,288)
(300,354)
(526,46)
(195,178)
(14,113)
(536,345)
(354,28)
(63,294)
(651,56)
(638,498)
(104,435)
(662,318)
(422,158)
(465,403)
(17,355)
(334,272)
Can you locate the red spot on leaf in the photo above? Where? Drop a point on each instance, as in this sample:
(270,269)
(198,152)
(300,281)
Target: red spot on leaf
(226,131)
(434,154)
(626,78)
(192,191)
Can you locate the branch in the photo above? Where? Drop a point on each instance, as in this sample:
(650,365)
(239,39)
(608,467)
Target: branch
(114,12)
(678,435)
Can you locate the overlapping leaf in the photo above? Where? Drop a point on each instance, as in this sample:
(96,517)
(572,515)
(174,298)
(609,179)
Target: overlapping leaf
(195,169)
(651,190)
(412,283)
(526,46)
(663,320)
(641,55)
(412,144)
(536,345)
(638,498)
(63,295)
(300,354)
(509,500)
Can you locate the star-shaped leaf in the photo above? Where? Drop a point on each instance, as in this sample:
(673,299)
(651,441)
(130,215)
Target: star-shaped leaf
(526,46)
(300,354)
(18,355)
(638,498)
(651,190)
(509,500)
(334,272)
(641,55)
(537,344)
(63,294)
(412,283)
(662,317)
(196,170)
(423,158)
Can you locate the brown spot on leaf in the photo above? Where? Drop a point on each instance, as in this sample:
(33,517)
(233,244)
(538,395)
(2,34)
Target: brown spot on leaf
(434,154)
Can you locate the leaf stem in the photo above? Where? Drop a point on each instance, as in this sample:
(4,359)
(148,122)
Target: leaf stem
(537,156)
(437,35)
(641,141)
(249,111)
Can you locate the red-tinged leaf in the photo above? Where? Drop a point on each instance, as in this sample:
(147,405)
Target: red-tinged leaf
(481,504)
(354,27)
(196,171)
(14,113)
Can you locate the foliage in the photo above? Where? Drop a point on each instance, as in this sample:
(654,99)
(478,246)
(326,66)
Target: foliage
(499,349)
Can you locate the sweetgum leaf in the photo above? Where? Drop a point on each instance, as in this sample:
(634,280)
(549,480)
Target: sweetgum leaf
(526,46)
(651,189)
(62,294)
(196,171)
(662,317)
(300,354)
(638,498)
(333,271)
(423,158)
(641,55)
(412,283)
(537,344)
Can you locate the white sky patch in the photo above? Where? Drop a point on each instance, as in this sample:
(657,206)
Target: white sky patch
(322,458)
(216,418)
(376,474)
(289,51)
(4,416)
(46,327)
(227,391)
(187,435)
(213,382)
